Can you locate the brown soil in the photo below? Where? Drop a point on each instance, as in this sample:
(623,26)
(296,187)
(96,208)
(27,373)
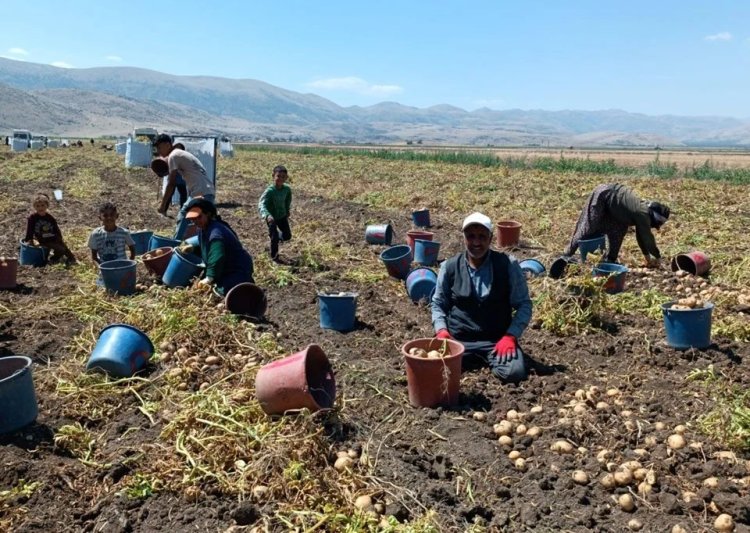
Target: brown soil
(440,459)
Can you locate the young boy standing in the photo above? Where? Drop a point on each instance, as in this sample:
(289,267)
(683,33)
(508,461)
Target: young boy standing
(43,227)
(110,241)
(274,206)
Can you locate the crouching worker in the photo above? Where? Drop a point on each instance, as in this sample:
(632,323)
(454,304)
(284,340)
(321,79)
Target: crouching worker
(227,262)
(482,301)
(42,226)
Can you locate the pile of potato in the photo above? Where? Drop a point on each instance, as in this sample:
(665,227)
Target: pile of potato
(691,302)
(424,354)
(154,254)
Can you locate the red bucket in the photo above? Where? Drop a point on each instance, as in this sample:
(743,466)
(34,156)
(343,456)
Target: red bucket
(697,263)
(157,264)
(413,235)
(8,272)
(508,233)
(433,382)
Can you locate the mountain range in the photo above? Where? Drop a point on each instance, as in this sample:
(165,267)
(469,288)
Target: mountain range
(110,101)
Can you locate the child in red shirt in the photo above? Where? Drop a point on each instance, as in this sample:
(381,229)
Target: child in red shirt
(43,227)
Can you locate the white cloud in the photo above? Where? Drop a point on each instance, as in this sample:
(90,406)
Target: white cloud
(354,84)
(721,36)
(116,59)
(61,64)
(15,51)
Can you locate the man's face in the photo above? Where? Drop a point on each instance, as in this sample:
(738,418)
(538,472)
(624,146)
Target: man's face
(108,218)
(163,149)
(477,240)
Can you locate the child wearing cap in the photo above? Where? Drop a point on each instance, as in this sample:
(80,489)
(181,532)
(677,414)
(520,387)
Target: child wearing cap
(274,205)
(43,227)
(110,241)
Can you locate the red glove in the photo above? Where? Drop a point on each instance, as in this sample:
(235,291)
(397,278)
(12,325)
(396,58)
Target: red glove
(506,348)
(443,334)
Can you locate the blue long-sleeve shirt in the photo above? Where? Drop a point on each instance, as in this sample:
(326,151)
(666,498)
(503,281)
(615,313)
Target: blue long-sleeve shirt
(481,283)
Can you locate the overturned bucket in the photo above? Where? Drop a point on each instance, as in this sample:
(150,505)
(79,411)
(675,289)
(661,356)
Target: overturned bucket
(142,239)
(338,310)
(433,382)
(421,218)
(119,276)
(18,406)
(420,284)
(121,351)
(8,272)
(397,260)
(616,275)
(31,255)
(426,252)
(379,234)
(532,268)
(156,260)
(302,380)
(586,246)
(246,299)
(696,263)
(687,328)
(508,233)
(181,269)
(560,265)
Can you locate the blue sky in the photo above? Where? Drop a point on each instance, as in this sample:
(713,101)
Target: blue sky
(654,57)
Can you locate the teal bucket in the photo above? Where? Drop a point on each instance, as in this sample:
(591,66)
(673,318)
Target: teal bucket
(379,234)
(421,218)
(158,241)
(18,406)
(397,260)
(586,246)
(337,310)
(181,269)
(420,284)
(142,239)
(32,255)
(615,276)
(426,252)
(118,276)
(532,268)
(194,241)
(121,351)
(687,328)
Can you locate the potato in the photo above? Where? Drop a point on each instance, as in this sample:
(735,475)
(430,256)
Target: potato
(677,528)
(623,477)
(521,429)
(631,465)
(640,474)
(644,488)
(533,432)
(581,477)
(511,415)
(352,454)
(363,503)
(261,492)
(213,360)
(626,502)
(659,426)
(434,354)
(561,446)
(634,524)
(676,441)
(613,392)
(711,482)
(724,523)
(608,482)
(514,454)
(520,464)
(504,427)
(342,463)
(505,440)
(602,406)
(536,409)
(603,455)
(182,352)
(680,429)
(580,394)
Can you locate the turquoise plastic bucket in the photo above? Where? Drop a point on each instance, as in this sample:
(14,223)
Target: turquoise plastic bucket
(586,246)
(421,218)
(142,239)
(532,267)
(337,310)
(193,241)
(616,276)
(397,260)
(158,241)
(426,252)
(119,276)
(121,351)
(687,328)
(181,269)
(18,406)
(420,284)
(32,255)
(379,234)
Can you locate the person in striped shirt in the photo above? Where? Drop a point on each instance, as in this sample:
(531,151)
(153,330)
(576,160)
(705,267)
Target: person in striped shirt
(110,241)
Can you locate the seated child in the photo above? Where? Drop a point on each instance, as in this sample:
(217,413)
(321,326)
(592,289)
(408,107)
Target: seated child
(110,241)
(42,227)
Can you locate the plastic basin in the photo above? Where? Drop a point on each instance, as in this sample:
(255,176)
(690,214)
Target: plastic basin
(246,299)
(181,269)
(586,246)
(616,275)
(32,255)
(420,284)
(119,276)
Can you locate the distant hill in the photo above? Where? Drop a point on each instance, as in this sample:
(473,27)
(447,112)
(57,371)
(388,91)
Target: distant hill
(111,100)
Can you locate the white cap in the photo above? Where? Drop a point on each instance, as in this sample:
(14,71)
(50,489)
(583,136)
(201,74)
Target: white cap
(477,218)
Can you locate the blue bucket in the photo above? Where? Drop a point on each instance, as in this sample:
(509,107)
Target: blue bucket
(181,269)
(337,310)
(426,252)
(397,260)
(121,351)
(615,276)
(532,267)
(18,406)
(687,328)
(32,255)
(157,241)
(420,284)
(586,246)
(118,276)
(142,239)
(379,234)
(421,218)
(193,241)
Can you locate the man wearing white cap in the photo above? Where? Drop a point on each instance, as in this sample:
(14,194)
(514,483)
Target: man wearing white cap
(482,301)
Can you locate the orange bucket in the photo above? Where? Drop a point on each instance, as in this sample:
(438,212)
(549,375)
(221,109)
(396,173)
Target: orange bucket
(433,382)
(508,233)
